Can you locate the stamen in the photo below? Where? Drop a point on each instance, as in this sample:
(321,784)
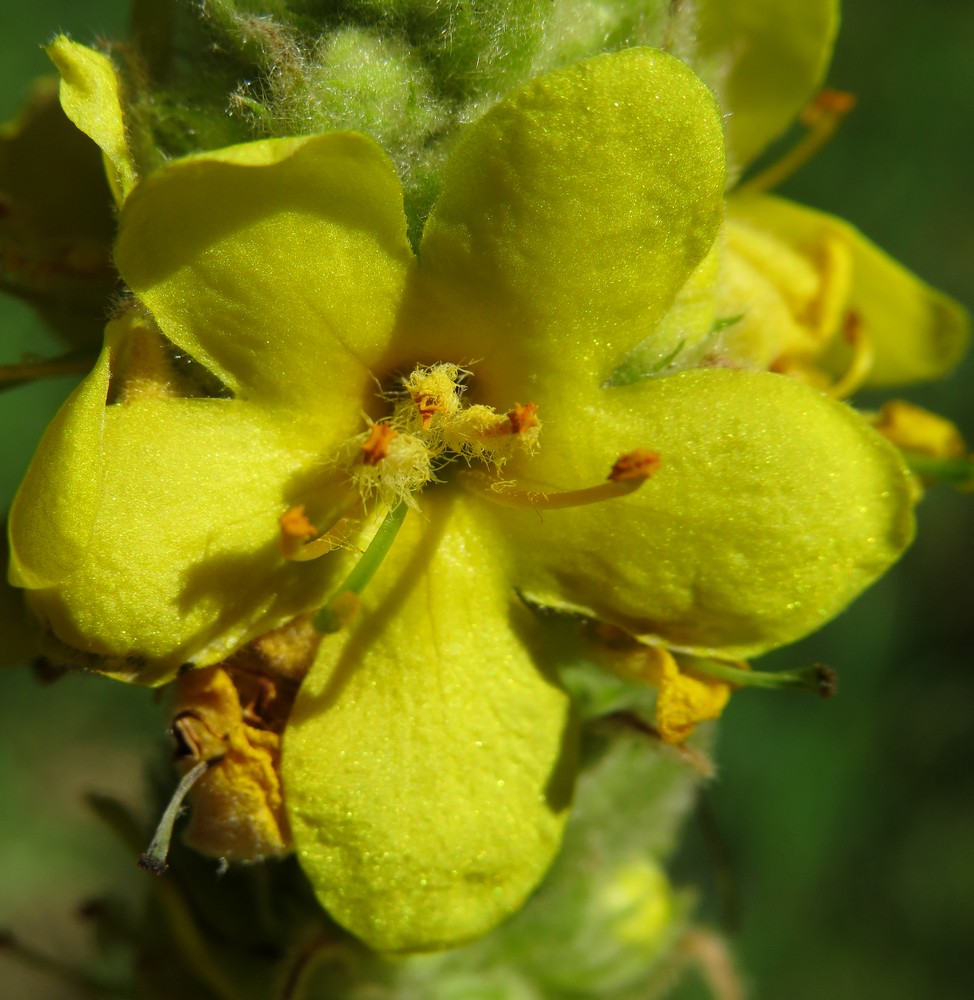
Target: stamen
(822,118)
(523,418)
(863,357)
(818,678)
(295,528)
(336,613)
(295,524)
(517,421)
(628,473)
(427,406)
(376,447)
(435,390)
(635,465)
(154,858)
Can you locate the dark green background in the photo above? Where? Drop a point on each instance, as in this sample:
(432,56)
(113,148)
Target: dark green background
(848,826)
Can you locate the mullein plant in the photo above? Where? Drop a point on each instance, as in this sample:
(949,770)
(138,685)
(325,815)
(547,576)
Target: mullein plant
(468,414)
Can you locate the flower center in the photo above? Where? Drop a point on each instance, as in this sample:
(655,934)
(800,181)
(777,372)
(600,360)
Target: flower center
(431,427)
(392,461)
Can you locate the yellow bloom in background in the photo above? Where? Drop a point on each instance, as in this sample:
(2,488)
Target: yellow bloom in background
(792,289)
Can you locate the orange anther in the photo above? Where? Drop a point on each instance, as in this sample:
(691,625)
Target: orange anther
(638,464)
(523,418)
(827,104)
(427,405)
(295,524)
(377,446)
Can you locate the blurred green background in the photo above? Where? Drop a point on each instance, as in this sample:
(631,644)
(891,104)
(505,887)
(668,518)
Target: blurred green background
(844,829)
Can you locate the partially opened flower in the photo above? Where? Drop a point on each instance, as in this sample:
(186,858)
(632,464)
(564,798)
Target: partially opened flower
(811,297)
(793,289)
(428,760)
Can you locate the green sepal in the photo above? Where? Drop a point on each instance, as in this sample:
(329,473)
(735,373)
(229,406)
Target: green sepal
(91,95)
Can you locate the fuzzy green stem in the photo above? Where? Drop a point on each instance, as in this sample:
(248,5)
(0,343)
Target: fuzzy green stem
(63,972)
(66,364)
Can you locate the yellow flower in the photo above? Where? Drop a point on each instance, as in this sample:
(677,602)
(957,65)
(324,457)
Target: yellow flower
(800,291)
(817,300)
(429,758)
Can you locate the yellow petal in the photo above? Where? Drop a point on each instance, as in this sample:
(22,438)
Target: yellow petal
(279,265)
(772,508)
(765,59)
(148,532)
(50,528)
(425,763)
(571,215)
(912,428)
